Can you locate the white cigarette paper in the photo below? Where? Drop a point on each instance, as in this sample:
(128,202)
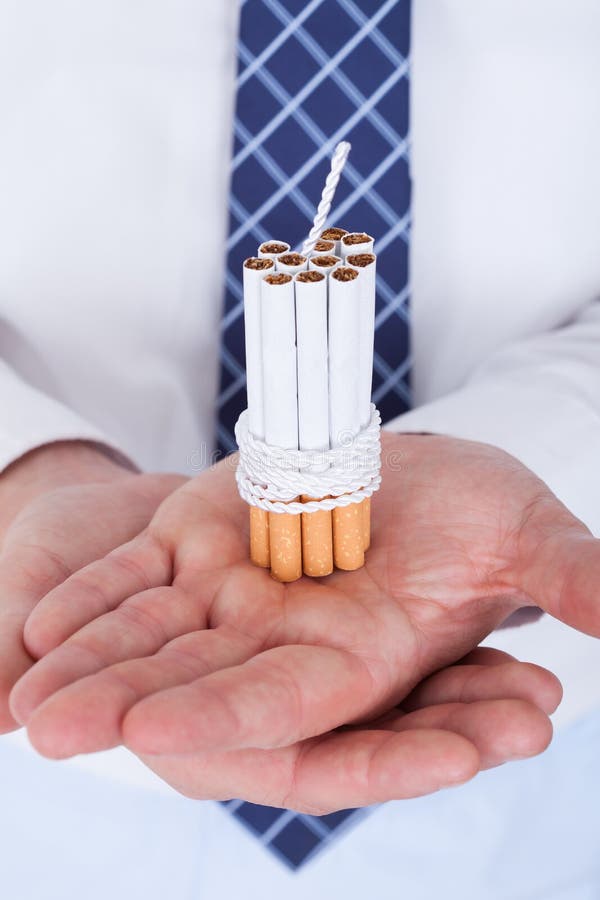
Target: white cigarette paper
(273,249)
(324,264)
(278,321)
(344,344)
(254,272)
(356,242)
(313,386)
(291,263)
(366,264)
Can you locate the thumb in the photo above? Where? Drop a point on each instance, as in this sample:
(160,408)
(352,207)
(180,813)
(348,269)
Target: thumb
(562,576)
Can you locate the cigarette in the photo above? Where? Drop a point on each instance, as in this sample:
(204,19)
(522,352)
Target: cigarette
(273,249)
(278,320)
(292,263)
(366,263)
(344,416)
(324,264)
(313,409)
(334,234)
(356,242)
(254,272)
(324,247)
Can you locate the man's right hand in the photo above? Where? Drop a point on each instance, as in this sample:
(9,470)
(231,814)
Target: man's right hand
(61,507)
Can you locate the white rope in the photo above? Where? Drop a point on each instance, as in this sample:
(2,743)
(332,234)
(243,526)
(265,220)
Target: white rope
(337,166)
(271,477)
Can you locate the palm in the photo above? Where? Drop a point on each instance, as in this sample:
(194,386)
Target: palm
(462,536)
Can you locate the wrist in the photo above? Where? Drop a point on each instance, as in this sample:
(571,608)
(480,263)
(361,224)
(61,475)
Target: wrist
(55,465)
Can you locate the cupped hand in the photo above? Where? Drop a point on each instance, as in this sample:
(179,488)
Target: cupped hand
(453,725)
(197,656)
(61,507)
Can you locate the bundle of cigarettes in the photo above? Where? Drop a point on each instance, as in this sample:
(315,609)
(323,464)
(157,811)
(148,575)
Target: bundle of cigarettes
(309,323)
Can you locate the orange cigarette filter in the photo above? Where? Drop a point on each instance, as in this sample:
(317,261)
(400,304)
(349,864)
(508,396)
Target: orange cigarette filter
(260,552)
(317,542)
(285,540)
(348,537)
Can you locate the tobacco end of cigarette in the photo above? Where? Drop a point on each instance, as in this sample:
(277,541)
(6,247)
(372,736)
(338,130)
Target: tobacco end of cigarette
(349,240)
(324,246)
(292,259)
(258,264)
(341,274)
(307,277)
(279,278)
(362,260)
(325,261)
(333,234)
(274,247)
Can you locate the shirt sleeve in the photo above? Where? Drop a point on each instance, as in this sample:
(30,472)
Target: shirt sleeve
(538,399)
(31,419)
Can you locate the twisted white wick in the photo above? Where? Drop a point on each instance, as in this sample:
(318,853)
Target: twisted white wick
(337,166)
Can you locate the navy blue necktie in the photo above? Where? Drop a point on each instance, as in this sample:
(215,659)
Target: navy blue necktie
(310,75)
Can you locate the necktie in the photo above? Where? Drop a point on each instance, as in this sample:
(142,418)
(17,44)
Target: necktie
(312,74)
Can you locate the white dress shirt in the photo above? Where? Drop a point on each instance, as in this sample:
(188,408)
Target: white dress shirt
(116,134)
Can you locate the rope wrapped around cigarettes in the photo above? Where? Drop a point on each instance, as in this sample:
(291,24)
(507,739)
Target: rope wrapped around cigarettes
(310,438)
(270,478)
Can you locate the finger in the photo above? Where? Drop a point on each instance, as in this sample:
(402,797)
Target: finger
(96,589)
(15,659)
(337,771)
(358,767)
(26,573)
(501,730)
(505,680)
(138,627)
(86,716)
(281,696)
(560,571)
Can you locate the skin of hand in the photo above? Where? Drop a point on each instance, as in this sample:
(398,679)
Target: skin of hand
(229,684)
(62,506)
